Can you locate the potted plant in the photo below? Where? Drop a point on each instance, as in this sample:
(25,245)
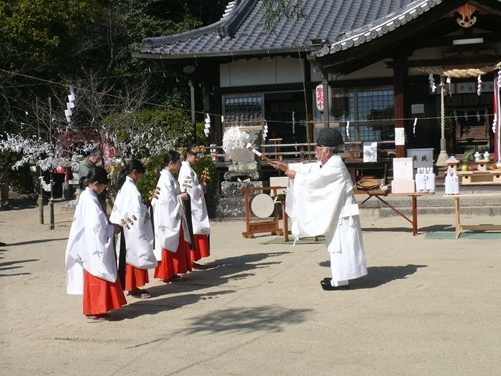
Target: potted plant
(468,157)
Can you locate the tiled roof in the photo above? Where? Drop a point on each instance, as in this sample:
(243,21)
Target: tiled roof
(339,23)
(379,26)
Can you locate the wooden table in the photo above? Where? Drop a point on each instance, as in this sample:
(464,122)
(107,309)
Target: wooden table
(457,215)
(413,196)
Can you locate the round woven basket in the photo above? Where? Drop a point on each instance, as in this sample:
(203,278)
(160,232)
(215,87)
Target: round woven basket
(367,184)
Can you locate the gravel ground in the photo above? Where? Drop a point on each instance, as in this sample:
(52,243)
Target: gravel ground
(427,307)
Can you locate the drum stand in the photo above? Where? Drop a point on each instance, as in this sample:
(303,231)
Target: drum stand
(270,224)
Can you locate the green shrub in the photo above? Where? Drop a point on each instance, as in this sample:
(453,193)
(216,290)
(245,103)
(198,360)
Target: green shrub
(149,181)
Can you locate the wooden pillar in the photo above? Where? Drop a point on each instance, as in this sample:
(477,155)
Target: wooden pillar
(400,75)
(216,136)
(212,103)
(308,98)
(325,83)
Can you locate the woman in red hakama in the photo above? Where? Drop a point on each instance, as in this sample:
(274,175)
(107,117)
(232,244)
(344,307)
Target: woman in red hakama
(135,243)
(197,211)
(171,236)
(90,256)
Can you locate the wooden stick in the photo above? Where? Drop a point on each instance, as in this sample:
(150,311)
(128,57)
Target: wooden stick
(265,158)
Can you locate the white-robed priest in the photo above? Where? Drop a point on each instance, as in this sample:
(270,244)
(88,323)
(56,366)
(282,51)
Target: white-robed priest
(135,242)
(91,267)
(320,201)
(200,226)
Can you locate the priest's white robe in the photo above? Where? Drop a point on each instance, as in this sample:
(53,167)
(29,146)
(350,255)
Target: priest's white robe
(199,214)
(137,230)
(168,215)
(90,244)
(320,201)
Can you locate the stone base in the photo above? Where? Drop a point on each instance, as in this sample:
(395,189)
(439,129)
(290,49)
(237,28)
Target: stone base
(231,204)
(234,188)
(242,175)
(230,207)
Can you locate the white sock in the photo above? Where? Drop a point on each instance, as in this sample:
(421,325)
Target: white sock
(339,283)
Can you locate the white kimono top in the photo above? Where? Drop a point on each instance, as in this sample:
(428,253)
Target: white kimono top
(90,244)
(168,215)
(320,201)
(129,212)
(199,214)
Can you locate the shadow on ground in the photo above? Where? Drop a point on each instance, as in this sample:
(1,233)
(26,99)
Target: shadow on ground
(12,265)
(188,291)
(380,275)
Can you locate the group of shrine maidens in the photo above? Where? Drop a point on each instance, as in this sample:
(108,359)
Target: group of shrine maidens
(320,201)
(107,256)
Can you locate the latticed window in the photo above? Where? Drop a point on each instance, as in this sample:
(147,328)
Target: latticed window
(370,113)
(243,110)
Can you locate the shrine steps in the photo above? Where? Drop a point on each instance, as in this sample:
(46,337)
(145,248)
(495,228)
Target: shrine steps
(437,204)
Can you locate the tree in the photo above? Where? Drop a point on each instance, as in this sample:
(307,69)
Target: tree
(42,35)
(146,133)
(276,9)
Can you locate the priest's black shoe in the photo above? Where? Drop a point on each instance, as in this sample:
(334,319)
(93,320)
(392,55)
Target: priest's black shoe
(326,285)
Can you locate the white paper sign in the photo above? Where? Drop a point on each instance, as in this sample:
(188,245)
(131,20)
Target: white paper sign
(403,168)
(370,151)
(399,136)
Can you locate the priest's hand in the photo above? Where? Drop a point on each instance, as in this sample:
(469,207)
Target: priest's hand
(185,196)
(117,229)
(291,174)
(279,165)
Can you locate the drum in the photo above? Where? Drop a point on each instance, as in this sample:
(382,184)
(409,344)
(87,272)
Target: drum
(262,205)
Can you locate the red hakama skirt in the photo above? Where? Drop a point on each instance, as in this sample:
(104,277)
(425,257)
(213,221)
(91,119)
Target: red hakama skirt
(201,248)
(101,296)
(174,263)
(135,277)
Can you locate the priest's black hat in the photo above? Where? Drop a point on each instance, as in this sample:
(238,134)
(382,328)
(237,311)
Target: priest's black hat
(329,137)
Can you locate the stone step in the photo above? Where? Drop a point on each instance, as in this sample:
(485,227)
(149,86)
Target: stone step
(437,204)
(483,211)
(431,201)
(233,206)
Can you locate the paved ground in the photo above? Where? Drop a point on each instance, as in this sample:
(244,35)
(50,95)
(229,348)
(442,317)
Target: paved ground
(427,307)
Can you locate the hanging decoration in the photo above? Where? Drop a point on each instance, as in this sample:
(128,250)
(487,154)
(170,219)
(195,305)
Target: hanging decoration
(479,85)
(496,128)
(207,125)
(70,105)
(448,81)
(414,127)
(433,87)
(265,131)
(348,129)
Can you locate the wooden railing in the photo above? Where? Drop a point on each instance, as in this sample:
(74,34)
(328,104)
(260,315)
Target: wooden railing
(352,155)
(353,151)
